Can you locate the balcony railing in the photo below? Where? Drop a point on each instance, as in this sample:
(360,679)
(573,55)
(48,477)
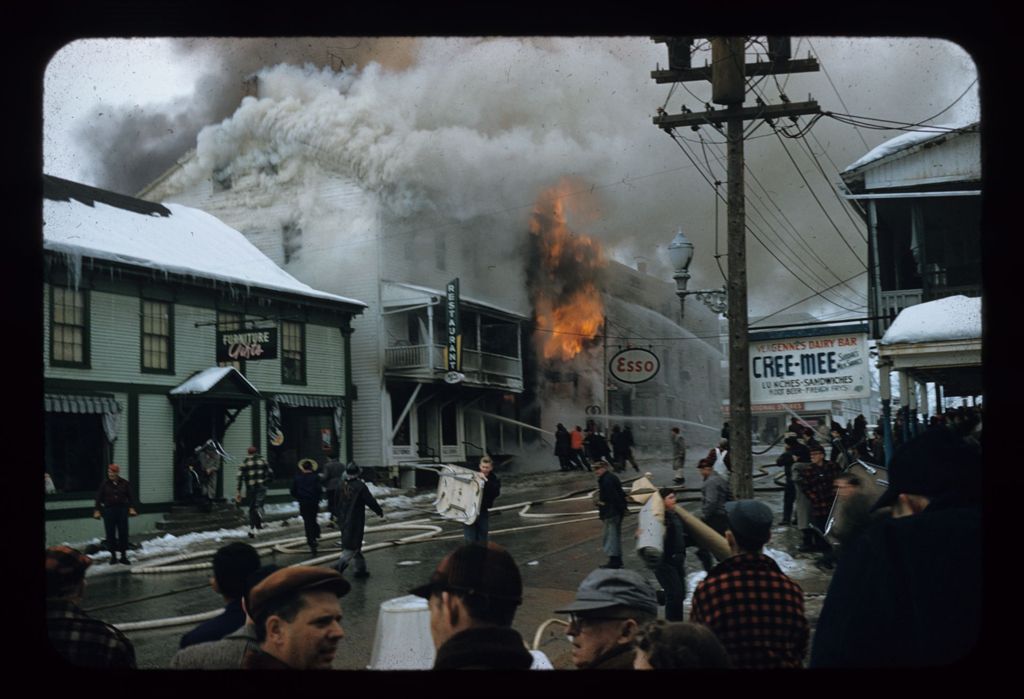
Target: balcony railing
(892,302)
(426,360)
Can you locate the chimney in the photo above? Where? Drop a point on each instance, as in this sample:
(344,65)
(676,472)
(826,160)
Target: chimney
(641,265)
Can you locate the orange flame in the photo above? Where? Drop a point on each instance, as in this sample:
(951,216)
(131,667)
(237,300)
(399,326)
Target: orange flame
(567,304)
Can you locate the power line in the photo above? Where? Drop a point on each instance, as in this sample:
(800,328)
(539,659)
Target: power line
(757,238)
(820,205)
(810,250)
(836,90)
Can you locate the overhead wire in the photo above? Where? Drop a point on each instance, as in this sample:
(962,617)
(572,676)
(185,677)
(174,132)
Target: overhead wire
(796,234)
(758,238)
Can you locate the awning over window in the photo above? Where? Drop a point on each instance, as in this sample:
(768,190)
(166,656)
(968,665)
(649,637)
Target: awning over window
(105,406)
(62,403)
(295,400)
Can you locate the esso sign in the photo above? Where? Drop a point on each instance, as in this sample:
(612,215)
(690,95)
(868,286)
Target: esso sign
(634,365)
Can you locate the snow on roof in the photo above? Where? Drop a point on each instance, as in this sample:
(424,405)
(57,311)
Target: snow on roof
(904,141)
(188,242)
(951,318)
(206,379)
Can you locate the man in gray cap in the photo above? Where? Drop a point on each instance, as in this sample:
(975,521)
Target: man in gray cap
(297,619)
(755,609)
(611,607)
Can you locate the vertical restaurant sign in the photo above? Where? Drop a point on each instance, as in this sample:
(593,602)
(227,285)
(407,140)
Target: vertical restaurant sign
(453,347)
(814,366)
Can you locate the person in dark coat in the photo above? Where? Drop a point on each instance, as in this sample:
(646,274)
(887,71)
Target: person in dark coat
(627,432)
(307,490)
(353,499)
(620,448)
(611,506)
(232,565)
(332,474)
(794,452)
(563,448)
(472,597)
(908,591)
(671,569)
(115,502)
(477,531)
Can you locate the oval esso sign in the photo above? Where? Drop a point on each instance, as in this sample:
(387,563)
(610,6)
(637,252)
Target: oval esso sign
(634,365)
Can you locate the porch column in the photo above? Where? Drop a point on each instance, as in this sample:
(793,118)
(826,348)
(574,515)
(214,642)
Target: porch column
(885,389)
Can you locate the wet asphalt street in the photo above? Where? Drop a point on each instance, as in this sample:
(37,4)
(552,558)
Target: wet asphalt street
(554,554)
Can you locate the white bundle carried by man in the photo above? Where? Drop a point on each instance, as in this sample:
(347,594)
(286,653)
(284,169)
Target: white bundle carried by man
(460,492)
(650,532)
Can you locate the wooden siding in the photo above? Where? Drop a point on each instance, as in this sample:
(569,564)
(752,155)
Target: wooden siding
(156,449)
(958,159)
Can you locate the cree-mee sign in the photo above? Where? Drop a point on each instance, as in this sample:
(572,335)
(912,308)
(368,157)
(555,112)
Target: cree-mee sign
(823,364)
(250,345)
(634,365)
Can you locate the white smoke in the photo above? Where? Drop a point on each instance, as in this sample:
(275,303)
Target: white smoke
(474,129)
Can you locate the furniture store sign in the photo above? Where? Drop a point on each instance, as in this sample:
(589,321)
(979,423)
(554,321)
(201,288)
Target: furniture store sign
(233,345)
(811,366)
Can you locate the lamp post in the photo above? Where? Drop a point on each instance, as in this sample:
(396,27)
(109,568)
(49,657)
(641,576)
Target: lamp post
(680,253)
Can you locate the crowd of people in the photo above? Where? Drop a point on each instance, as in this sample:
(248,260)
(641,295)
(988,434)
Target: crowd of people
(579,449)
(919,541)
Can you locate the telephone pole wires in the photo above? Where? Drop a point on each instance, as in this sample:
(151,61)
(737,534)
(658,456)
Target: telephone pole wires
(728,73)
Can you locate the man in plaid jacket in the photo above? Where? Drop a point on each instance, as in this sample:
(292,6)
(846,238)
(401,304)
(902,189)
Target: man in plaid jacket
(816,482)
(756,611)
(77,637)
(254,474)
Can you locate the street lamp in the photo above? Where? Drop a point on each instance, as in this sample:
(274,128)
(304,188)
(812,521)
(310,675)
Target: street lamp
(680,252)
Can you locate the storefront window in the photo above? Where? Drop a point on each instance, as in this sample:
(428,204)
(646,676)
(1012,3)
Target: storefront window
(76,451)
(308,434)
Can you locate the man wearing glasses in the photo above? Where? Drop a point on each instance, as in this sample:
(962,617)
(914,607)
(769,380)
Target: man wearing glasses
(611,607)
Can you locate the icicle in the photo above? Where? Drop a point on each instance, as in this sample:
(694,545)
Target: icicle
(73,262)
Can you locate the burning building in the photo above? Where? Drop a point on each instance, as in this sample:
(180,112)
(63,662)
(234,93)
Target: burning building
(540,305)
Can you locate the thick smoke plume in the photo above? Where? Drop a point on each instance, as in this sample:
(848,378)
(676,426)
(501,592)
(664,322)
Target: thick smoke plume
(465,129)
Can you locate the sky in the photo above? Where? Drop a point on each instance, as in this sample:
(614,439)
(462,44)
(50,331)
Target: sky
(480,126)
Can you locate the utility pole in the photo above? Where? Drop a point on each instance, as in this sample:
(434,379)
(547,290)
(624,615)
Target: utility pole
(728,73)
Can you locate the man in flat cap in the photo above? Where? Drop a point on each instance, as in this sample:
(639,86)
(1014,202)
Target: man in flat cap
(77,637)
(297,619)
(610,608)
(115,502)
(472,597)
(907,591)
(754,608)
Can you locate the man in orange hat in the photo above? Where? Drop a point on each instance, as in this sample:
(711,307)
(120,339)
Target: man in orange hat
(115,503)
